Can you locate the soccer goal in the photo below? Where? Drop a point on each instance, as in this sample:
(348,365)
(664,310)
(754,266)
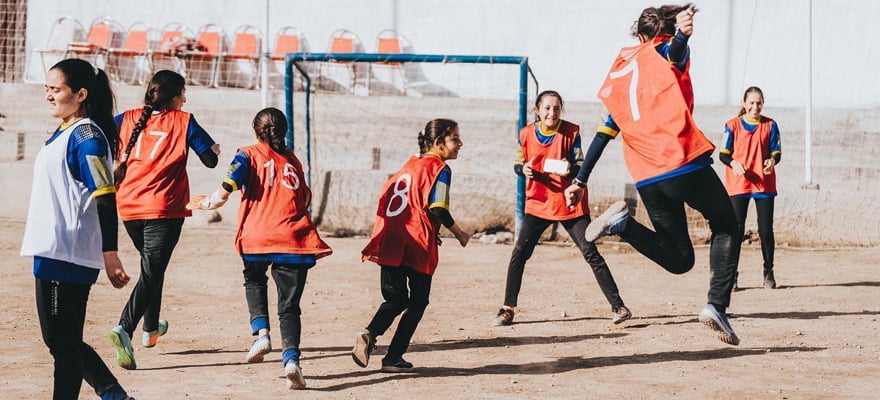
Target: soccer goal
(354,118)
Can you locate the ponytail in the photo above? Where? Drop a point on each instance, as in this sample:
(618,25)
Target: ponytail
(100,101)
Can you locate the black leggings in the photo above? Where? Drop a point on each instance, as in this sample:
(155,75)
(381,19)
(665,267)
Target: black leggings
(155,239)
(61,308)
(412,303)
(764,208)
(669,244)
(530,232)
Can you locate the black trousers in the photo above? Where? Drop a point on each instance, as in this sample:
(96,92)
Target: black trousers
(290,282)
(398,299)
(669,244)
(155,239)
(764,208)
(61,308)
(530,232)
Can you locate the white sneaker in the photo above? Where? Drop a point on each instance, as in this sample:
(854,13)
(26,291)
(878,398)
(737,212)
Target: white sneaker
(294,375)
(261,347)
(717,321)
(611,222)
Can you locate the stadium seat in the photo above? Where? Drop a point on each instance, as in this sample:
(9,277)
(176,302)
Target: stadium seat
(165,55)
(131,62)
(201,60)
(104,33)
(240,67)
(288,40)
(64,31)
(389,77)
(337,76)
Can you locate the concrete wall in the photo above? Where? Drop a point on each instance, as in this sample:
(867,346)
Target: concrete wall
(570,43)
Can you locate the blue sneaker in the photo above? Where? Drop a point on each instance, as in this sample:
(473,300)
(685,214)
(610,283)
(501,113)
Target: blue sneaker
(261,347)
(717,321)
(122,344)
(611,222)
(294,375)
(151,338)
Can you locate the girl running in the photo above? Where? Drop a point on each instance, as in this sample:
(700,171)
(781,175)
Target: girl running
(153,188)
(412,206)
(752,150)
(72,225)
(548,142)
(668,157)
(274,229)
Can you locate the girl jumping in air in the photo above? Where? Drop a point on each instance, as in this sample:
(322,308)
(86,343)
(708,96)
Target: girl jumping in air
(668,157)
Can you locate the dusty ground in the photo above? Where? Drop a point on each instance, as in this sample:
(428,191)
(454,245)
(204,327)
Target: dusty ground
(814,338)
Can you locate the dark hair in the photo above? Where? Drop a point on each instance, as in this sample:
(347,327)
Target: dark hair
(270,126)
(100,101)
(548,93)
(164,86)
(751,89)
(436,129)
(658,21)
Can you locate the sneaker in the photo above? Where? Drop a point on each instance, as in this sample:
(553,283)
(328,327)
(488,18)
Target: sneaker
(769,280)
(122,344)
(399,365)
(504,317)
(364,344)
(294,375)
(717,321)
(150,338)
(621,314)
(611,222)
(261,347)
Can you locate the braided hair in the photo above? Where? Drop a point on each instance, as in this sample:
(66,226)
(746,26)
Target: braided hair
(270,126)
(436,129)
(161,91)
(658,21)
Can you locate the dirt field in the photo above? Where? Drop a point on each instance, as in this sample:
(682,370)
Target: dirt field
(814,338)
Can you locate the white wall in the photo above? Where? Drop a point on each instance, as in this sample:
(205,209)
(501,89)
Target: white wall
(570,43)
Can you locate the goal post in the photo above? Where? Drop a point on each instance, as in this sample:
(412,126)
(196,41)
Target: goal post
(303,70)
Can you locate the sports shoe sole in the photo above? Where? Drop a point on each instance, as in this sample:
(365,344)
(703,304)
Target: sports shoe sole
(361,351)
(722,334)
(256,354)
(150,340)
(295,379)
(392,368)
(597,226)
(124,354)
(623,317)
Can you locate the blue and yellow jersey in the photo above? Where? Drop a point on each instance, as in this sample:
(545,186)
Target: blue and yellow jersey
(87,154)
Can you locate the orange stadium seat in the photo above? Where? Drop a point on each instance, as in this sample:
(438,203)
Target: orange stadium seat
(240,67)
(104,33)
(288,40)
(165,54)
(131,62)
(201,63)
(343,76)
(389,77)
